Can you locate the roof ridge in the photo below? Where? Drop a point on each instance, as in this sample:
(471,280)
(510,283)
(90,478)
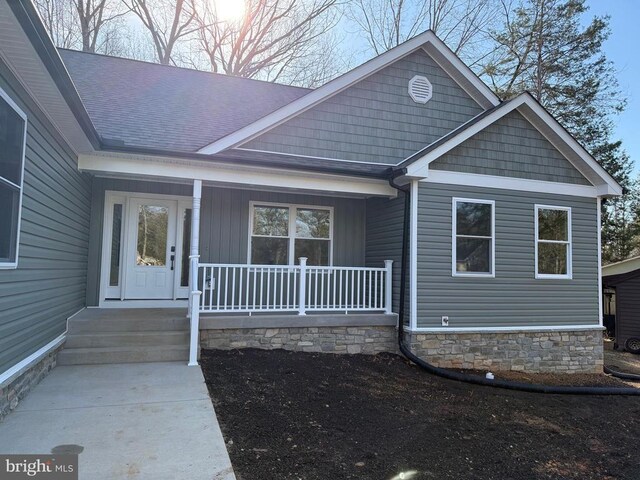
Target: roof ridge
(177,67)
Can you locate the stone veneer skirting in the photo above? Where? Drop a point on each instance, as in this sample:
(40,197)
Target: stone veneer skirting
(334,339)
(15,389)
(536,352)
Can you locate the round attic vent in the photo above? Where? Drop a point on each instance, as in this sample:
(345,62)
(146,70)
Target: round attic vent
(420,89)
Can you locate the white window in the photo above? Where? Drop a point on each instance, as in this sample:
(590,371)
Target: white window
(281,234)
(13,131)
(553,242)
(473,237)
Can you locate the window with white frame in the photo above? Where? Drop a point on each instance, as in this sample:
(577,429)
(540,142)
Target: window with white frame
(473,237)
(13,126)
(281,234)
(553,242)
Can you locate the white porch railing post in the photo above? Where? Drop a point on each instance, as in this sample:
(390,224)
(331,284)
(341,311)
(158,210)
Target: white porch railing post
(388,265)
(302,287)
(194,296)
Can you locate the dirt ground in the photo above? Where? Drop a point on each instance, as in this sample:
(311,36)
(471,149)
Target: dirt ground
(621,361)
(289,415)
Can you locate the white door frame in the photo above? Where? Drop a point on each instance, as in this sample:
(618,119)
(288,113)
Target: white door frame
(117,292)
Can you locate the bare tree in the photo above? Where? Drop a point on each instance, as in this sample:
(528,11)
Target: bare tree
(87,24)
(277,40)
(167,21)
(387,23)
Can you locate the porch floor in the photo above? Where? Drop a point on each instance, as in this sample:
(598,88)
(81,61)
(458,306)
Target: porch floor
(146,420)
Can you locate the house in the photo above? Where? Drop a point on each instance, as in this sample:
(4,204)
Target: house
(621,283)
(136,194)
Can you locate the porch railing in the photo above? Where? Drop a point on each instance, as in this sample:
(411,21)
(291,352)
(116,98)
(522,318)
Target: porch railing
(237,288)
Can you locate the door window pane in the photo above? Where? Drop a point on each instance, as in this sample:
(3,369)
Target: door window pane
(153,225)
(269,251)
(116,235)
(186,247)
(316,251)
(312,223)
(271,221)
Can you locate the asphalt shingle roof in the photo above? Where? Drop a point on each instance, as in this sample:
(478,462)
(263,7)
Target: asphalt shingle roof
(168,108)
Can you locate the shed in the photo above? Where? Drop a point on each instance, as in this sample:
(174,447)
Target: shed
(621,297)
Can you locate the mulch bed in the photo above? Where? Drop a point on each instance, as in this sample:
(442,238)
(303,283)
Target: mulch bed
(290,415)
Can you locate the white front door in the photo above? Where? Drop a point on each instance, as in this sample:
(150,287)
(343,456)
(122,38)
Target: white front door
(151,260)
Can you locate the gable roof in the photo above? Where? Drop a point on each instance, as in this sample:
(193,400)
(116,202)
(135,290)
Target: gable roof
(143,104)
(620,268)
(418,163)
(427,40)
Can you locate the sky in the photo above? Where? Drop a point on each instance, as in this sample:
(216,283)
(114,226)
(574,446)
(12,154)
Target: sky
(623,49)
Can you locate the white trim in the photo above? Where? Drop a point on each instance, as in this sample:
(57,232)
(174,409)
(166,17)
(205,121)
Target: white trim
(582,161)
(547,328)
(413,256)
(619,268)
(343,82)
(14,264)
(599,227)
(454,236)
(148,167)
(293,209)
(23,365)
(510,183)
(310,156)
(568,243)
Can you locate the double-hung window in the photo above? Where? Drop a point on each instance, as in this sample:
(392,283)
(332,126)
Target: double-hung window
(553,242)
(473,237)
(281,234)
(13,126)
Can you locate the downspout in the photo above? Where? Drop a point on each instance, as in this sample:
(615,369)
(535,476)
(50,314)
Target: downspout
(464,377)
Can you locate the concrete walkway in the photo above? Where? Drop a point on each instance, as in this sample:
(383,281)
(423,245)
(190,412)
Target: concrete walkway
(133,421)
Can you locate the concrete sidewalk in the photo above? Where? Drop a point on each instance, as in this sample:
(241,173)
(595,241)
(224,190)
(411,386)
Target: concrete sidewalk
(134,421)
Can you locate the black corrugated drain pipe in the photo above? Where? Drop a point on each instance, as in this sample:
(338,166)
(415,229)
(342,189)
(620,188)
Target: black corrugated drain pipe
(465,377)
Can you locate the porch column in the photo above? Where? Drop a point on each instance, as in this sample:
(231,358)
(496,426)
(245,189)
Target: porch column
(388,287)
(194,259)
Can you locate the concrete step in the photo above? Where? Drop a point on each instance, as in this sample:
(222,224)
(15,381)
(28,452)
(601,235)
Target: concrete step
(91,356)
(127,339)
(129,324)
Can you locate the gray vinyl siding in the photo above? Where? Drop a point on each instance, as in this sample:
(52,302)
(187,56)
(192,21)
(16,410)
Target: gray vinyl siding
(224,223)
(514,298)
(511,147)
(384,238)
(376,120)
(49,284)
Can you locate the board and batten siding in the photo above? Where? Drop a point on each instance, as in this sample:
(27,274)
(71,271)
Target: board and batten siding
(376,120)
(514,298)
(384,238)
(50,282)
(511,147)
(224,222)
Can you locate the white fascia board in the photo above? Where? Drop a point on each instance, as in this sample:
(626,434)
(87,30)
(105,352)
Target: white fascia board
(511,183)
(609,187)
(340,84)
(176,169)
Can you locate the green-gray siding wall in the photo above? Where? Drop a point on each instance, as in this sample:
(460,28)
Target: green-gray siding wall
(376,120)
(49,284)
(511,147)
(514,297)
(224,226)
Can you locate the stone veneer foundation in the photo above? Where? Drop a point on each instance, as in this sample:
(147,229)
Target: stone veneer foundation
(367,340)
(536,352)
(16,388)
